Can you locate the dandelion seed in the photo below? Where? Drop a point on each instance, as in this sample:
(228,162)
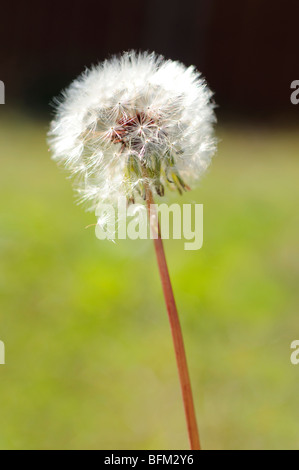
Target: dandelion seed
(128,113)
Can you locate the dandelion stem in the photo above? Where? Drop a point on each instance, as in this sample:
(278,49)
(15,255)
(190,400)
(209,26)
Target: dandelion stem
(174,322)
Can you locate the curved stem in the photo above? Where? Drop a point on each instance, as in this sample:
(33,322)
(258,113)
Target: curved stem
(174,323)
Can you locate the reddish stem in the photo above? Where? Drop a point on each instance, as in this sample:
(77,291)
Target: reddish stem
(174,323)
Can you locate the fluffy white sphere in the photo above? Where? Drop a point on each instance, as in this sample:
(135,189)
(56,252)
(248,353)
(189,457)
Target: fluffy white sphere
(133,117)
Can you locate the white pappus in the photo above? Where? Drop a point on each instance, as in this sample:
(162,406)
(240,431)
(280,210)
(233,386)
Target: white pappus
(133,117)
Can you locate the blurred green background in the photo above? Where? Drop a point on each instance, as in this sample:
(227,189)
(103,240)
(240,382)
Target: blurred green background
(90,362)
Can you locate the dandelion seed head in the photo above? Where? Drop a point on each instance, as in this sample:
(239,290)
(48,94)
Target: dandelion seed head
(132,113)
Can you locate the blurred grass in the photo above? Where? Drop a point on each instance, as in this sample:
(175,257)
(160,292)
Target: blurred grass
(89,356)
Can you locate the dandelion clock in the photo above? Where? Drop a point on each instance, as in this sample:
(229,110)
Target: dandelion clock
(138,126)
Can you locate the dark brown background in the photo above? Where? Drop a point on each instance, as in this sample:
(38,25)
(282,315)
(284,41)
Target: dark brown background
(248,50)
